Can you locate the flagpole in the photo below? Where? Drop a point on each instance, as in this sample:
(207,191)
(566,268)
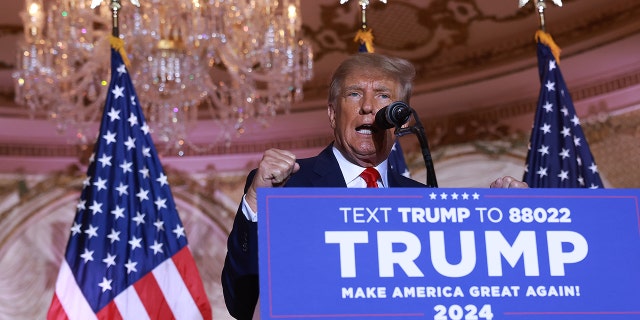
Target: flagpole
(541,6)
(115,7)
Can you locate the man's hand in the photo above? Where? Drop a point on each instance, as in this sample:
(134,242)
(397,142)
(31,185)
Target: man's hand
(508,182)
(274,170)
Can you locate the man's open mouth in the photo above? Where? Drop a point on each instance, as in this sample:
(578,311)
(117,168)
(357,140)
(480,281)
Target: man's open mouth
(366,129)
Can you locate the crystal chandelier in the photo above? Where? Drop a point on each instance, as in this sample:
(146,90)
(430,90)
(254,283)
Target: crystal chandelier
(227,61)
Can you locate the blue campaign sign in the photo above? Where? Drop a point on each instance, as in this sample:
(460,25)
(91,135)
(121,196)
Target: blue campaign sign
(449,253)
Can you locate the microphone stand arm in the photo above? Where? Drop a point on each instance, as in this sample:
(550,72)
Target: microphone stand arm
(419,131)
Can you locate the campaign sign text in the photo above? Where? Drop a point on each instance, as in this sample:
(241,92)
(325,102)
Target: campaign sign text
(442,254)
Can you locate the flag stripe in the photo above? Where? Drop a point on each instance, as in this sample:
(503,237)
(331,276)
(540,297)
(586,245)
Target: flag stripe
(178,296)
(187,268)
(56,312)
(130,306)
(109,312)
(152,298)
(70,297)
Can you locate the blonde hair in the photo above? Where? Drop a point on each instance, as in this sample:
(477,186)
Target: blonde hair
(397,68)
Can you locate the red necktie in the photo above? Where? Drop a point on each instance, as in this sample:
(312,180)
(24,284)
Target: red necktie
(370,176)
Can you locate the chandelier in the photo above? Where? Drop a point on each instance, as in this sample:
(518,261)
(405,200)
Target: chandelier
(221,60)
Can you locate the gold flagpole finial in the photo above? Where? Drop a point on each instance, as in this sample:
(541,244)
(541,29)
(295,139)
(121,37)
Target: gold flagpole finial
(540,5)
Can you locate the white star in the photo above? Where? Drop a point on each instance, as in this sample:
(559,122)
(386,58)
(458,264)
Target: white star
(105,284)
(575,120)
(114,235)
(133,120)
(564,153)
(581,180)
(96,207)
(179,231)
(544,150)
(548,106)
(130,143)
(132,99)
(162,179)
(465,196)
(114,114)
(146,152)
(552,65)
(75,229)
(593,186)
(593,168)
(433,196)
(443,196)
(110,137)
(159,224)
(110,260)
(475,196)
(156,247)
(105,160)
(100,184)
(551,86)
(118,91)
(454,196)
(92,231)
(126,166)
(122,69)
(145,172)
(135,243)
(122,189)
(145,128)
(576,141)
(131,266)
(546,128)
(565,111)
(139,218)
(86,182)
(142,195)
(563,175)
(566,131)
(81,205)
(87,255)
(118,212)
(160,203)
(542,172)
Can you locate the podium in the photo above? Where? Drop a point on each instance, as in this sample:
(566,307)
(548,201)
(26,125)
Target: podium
(329,253)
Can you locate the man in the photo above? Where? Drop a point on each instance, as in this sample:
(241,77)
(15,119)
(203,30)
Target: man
(362,85)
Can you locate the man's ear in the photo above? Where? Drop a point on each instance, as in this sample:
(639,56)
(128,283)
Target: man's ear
(331,112)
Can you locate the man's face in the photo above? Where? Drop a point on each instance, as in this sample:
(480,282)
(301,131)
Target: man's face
(363,93)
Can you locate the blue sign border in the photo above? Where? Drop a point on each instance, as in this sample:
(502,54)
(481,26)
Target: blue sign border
(301,273)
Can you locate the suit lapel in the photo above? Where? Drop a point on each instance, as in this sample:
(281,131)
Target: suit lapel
(327,170)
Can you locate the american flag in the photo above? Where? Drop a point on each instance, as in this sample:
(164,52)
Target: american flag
(558,156)
(127,255)
(397,162)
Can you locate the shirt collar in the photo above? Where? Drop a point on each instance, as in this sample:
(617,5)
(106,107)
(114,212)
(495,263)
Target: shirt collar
(351,171)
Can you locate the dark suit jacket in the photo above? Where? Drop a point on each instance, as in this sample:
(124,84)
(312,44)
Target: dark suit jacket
(240,272)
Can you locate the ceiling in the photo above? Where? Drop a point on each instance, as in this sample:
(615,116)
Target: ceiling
(472,57)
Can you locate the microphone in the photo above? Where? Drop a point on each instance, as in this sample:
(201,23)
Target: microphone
(394,115)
